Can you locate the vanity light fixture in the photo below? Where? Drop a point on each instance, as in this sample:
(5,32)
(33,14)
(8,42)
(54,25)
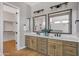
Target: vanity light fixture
(38,11)
(65,21)
(57,22)
(59,5)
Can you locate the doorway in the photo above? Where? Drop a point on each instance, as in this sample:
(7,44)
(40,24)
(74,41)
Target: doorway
(10,26)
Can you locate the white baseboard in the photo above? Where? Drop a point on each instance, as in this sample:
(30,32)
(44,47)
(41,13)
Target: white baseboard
(22,47)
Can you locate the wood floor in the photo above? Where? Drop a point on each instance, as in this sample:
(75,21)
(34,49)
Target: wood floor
(10,50)
(24,52)
(9,46)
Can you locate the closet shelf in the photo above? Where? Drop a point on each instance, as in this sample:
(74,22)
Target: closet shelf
(9,31)
(10,21)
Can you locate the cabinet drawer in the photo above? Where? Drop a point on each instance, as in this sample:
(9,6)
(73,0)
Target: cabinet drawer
(44,40)
(70,51)
(52,41)
(42,43)
(68,43)
(33,37)
(27,36)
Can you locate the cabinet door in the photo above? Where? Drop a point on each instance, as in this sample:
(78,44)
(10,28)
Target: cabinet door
(55,47)
(59,48)
(39,44)
(30,43)
(27,38)
(42,45)
(51,49)
(34,43)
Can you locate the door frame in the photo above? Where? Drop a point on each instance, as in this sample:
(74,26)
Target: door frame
(17,36)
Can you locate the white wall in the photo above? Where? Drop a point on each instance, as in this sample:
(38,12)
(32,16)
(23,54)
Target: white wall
(46,5)
(1,31)
(78,22)
(9,36)
(25,12)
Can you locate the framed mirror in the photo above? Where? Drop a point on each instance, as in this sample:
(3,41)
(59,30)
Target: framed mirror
(60,22)
(39,23)
(27,25)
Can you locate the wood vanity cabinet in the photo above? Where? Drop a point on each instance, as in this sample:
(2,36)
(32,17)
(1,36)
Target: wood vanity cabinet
(55,47)
(70,48)
(31,42)
(42,45)
(52,47)
(27,39)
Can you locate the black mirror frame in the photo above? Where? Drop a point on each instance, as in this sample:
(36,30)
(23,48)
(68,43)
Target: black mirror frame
(36,17)
(70,17)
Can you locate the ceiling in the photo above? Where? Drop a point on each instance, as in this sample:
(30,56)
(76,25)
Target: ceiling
(32,3)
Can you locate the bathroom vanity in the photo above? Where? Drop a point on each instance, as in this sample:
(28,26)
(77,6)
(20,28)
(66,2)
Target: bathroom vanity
(52,46)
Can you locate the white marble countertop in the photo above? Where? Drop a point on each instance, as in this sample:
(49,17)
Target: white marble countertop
(63,37)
